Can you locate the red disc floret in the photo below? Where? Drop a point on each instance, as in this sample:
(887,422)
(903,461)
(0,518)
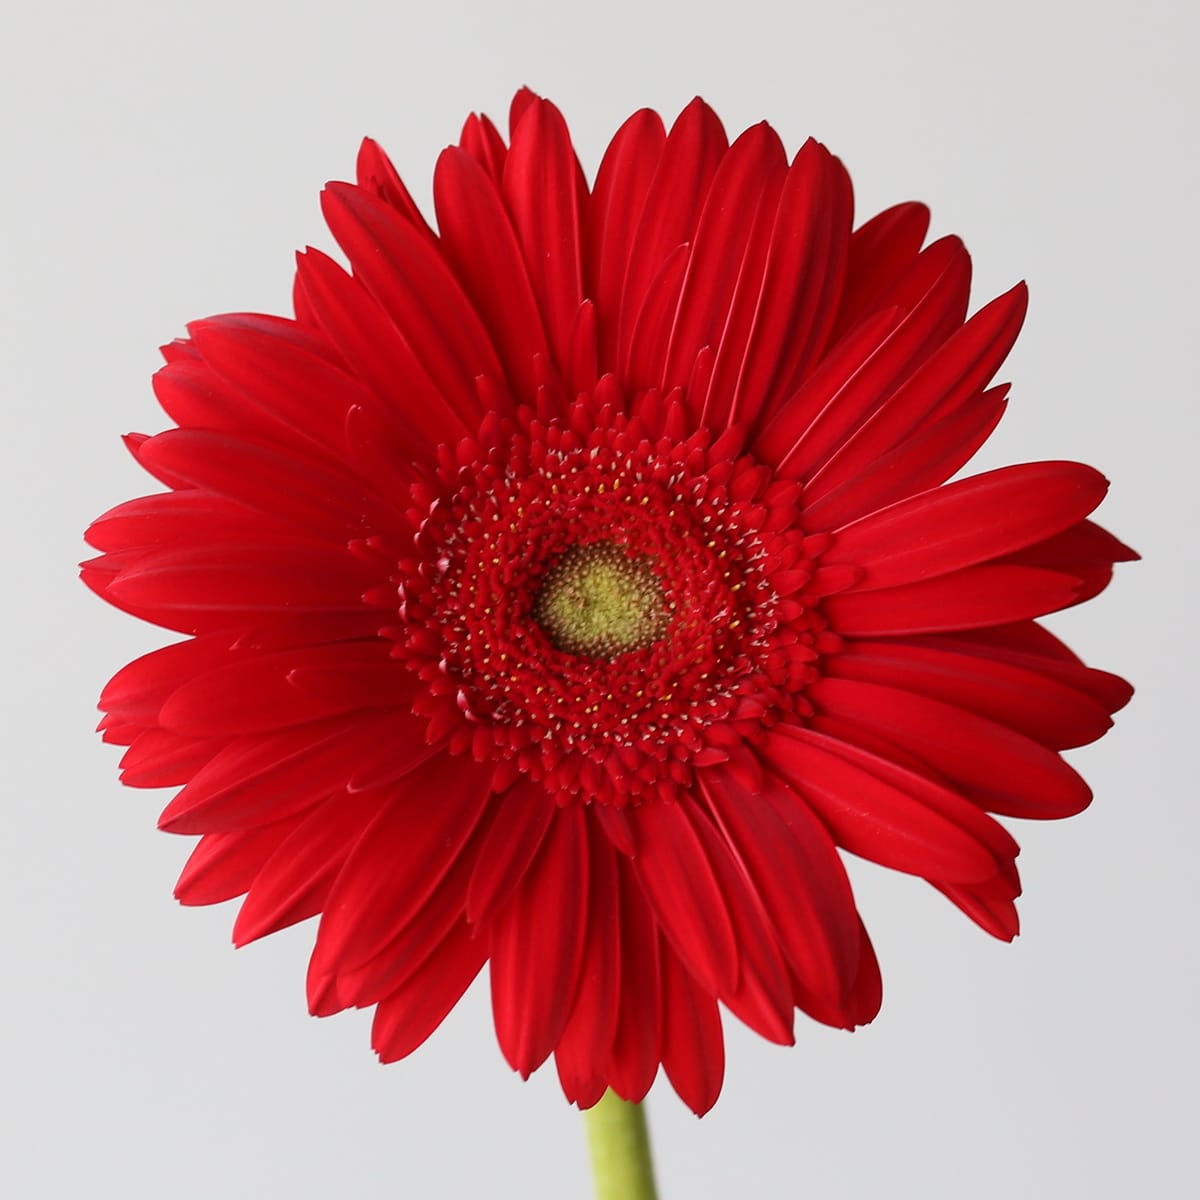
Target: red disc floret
(732,651)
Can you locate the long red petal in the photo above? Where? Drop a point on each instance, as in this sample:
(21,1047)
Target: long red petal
(413,284)
(320,500)
(278,367)
(956,372)
(968,599)
(796,868)
(1002,770)
(927,458)
(693,1047)
(294,881)
(673,868)
(968,522)
(537,945)
(256,780)
(881,250)
(622,184)
(1039,705)
(405,1019)
(383,358)
(252,693)
(543,190)
(224,865)
(211,586)
(523,816)
(690,156)
(587,1039)
(400,860)
(480,244)
(888,814)
(749,176)
(637,1043)
(375,174)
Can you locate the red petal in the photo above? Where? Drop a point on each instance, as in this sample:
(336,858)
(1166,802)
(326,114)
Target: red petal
(212,586)
(744,191)
(281,369)
(693,1048)
(971,356)
(673,868)
(537,946)
(967,599)
(1029,646)
(881,251)
(885,813)
(321,501)
(1002,770)
(862,1006)
(689,159)
(406,1018)
(1084,544)
(479,242)
(617,201)
(223,865)
(523,815)
(803,275)
(791,266)
(868,987)
(254,692)
(375,174)
(482,141)
(157,758)
(636,1049)
(762,999)
(990,905)
(1038,705)
(794,865)
(968,522)
(958,371)
(195,397)
(411,281)
(181,519)
(523,100)
(138,691)
(400,860)
(862,371)
(647,341)
(294,881)
(412,943)
(586,1044)
(543,189)
(925,460)
(255,780)
(617,829)
(381,355)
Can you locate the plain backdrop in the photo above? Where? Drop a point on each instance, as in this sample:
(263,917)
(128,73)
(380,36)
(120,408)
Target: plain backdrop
(160,162)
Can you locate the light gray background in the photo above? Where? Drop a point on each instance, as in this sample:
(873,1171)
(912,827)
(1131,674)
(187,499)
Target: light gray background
(161,161)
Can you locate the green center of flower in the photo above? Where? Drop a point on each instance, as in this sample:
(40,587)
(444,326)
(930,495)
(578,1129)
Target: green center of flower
(598,601)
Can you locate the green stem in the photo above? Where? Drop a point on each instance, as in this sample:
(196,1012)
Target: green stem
(620,1148)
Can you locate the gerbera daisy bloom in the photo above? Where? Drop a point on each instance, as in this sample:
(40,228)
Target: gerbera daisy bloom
(567,587)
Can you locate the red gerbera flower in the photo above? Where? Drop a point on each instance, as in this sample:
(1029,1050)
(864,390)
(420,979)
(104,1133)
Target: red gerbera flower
(565,587)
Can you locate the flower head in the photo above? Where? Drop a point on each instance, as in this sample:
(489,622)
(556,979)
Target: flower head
(564,589)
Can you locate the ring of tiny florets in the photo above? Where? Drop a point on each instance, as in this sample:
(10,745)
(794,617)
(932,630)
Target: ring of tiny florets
(613,727)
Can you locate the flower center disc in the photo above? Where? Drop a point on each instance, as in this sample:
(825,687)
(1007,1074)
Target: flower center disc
(598,600)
